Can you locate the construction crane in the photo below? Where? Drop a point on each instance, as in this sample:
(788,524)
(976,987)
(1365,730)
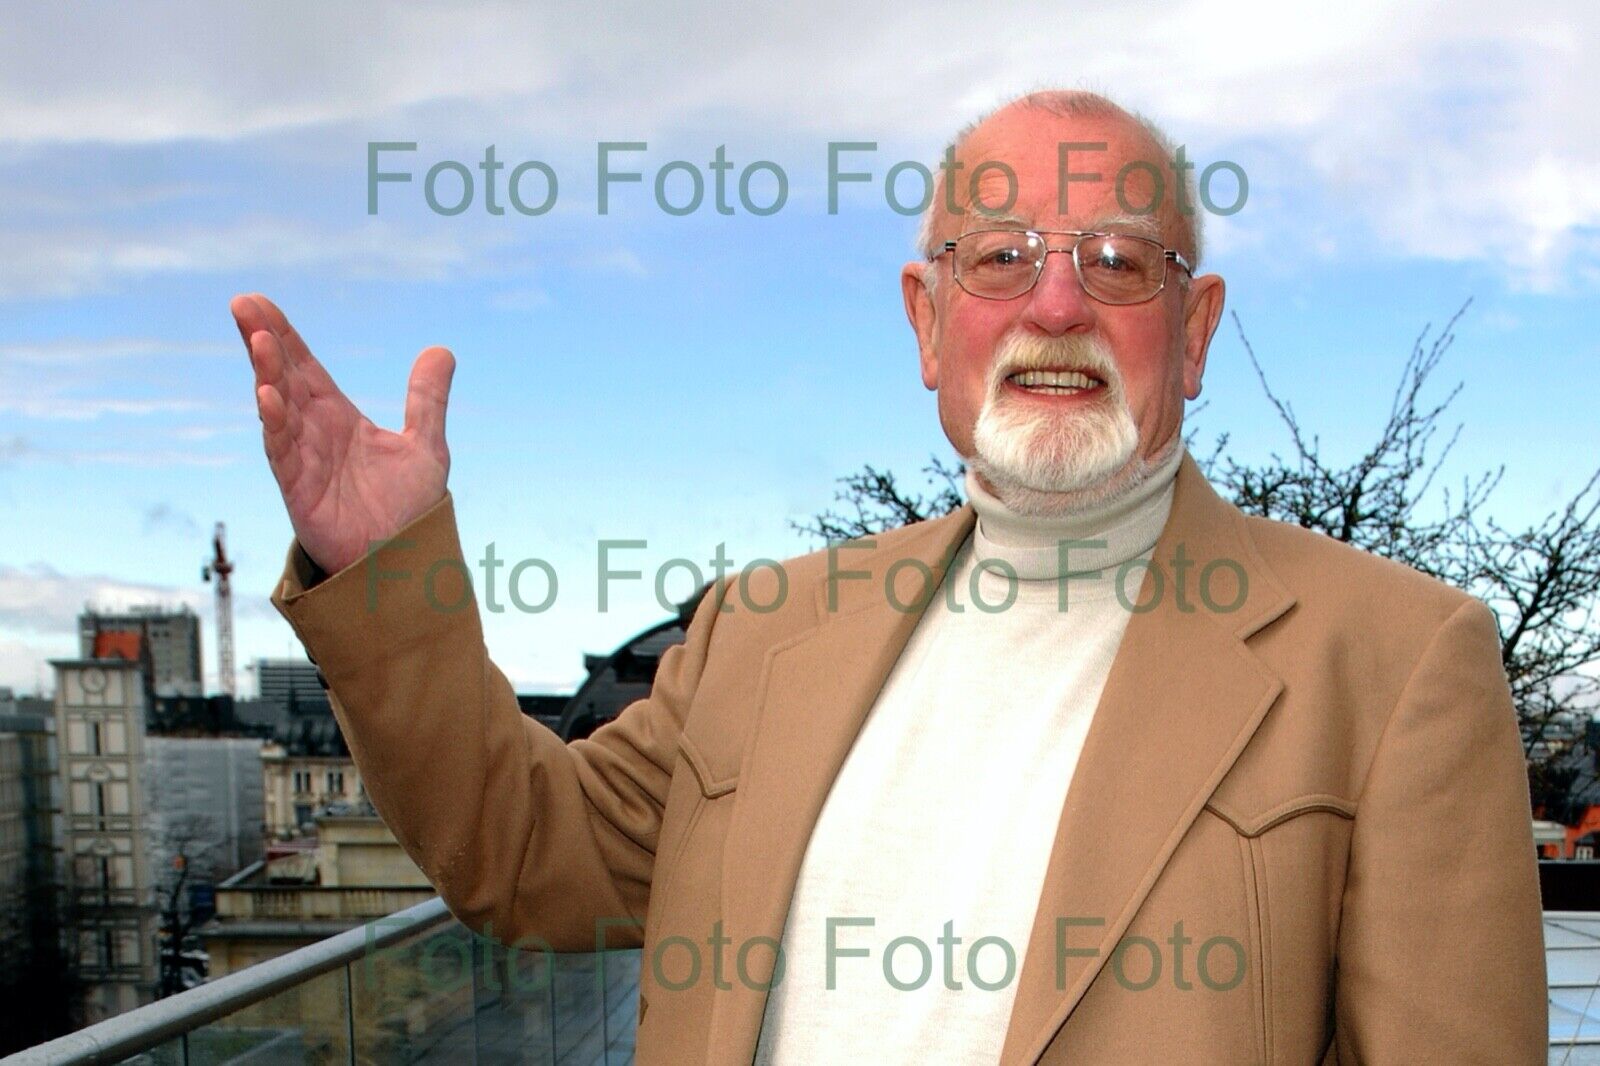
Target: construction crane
(220,567)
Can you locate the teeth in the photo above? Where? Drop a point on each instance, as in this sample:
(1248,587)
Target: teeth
(1059,378)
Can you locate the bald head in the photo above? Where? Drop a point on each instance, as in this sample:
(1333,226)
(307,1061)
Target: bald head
(1147,184)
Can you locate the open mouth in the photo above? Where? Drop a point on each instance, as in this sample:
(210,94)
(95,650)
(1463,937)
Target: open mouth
(1055,382)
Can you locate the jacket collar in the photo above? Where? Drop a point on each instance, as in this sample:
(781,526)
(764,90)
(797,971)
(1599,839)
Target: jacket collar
(1183,698)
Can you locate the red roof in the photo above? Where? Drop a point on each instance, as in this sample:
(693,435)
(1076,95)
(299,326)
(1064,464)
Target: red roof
(111,644)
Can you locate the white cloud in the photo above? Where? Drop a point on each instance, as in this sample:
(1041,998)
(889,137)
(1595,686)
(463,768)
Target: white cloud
(24,664)
(1459,133)
(79,351)
(80,379)
(83,408)
(63,263)
(18,447)
(524,299)
(41,599)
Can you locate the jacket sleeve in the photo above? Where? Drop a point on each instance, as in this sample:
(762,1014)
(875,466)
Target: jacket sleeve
(521,834)
(1441,947)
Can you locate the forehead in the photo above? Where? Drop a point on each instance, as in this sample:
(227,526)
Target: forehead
(1116,171)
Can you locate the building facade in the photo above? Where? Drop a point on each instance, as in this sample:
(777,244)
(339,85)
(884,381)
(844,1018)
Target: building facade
(205,801)
(100,708)
(297,786)
(289,682)
(350,871)
(170,634)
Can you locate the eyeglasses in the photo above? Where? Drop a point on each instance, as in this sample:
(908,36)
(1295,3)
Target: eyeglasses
(1114,268)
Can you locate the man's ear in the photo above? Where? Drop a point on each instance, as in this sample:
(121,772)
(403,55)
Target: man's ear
(1202,310)
(923,317)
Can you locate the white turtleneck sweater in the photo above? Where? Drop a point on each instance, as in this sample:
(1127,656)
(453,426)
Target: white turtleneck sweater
(946,808)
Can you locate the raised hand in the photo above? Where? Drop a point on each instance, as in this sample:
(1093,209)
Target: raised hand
(345,481)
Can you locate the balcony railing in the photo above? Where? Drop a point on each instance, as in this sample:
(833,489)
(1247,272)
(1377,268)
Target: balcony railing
(414,987)
(417,987)
(314,902)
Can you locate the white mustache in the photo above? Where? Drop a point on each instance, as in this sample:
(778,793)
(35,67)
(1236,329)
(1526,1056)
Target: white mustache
(1019,352)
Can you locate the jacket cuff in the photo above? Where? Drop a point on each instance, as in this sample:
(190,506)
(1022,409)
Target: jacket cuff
(302,569)
(402,590)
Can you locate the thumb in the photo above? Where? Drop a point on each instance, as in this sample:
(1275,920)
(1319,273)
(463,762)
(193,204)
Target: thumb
(427,393)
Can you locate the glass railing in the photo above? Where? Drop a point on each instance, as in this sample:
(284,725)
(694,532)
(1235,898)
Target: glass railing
(1572,970)
(415,987)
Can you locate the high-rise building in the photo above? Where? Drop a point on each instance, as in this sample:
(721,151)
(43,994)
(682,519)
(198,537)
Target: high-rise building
(29,805)
(290,683)
(205,803)
(29,812)
(171,635)
(35,979)
(100,710)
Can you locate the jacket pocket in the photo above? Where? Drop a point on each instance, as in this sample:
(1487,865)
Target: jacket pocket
(707,787)
(1259,932)
(1281,853)
(712,782)
(1253,825)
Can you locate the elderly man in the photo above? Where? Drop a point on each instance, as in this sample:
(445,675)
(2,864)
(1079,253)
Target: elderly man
(1095,769)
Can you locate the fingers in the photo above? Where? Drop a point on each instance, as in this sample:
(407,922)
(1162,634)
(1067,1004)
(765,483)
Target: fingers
(267,359)
(265,314)
(272,410)
(280,419)
(427,393)
(280,426)
(254,313)
(246,316)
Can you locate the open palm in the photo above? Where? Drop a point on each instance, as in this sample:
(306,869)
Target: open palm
(345,481)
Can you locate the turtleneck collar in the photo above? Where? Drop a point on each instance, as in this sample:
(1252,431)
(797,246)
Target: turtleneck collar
(1128,527)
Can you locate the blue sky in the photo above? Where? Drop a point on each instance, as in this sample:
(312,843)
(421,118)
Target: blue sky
(703,379)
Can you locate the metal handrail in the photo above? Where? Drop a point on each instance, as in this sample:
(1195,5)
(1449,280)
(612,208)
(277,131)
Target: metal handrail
(146,1027)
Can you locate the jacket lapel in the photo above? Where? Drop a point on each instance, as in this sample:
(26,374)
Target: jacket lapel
(1182,700)
(814,694)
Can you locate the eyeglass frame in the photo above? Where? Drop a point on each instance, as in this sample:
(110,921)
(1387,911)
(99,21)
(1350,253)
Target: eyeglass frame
(1168,255)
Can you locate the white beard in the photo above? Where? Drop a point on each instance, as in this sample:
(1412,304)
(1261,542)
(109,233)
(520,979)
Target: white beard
(1045,465)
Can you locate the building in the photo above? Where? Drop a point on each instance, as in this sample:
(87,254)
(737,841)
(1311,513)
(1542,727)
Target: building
(37,979)
(100,708)
(170,635)
(289,682)
(298,783)
(29,809)
(625,675)
(203,822)
(205,803)
(351,870)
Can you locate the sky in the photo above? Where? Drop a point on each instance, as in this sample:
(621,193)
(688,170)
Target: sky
(702,379)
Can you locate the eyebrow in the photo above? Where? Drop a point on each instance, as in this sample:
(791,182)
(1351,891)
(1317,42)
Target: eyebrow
(1131,225)
(986,221)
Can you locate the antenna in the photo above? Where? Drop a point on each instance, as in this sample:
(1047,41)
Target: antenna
(220,567)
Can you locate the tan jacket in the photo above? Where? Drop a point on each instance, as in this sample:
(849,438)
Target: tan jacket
(1314,767)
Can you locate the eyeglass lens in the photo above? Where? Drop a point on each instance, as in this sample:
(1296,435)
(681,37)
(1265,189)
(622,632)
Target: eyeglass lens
(1004,264)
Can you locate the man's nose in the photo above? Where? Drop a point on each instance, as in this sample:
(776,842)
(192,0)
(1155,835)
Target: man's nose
(1057,303)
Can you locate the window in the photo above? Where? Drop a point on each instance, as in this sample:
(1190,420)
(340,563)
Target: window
(335,782)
